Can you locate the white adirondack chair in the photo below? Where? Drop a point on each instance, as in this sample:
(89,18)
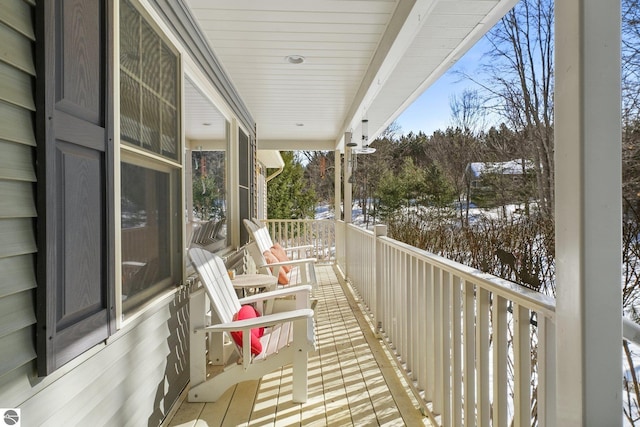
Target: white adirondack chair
(265,241)
(302,271)
(288,337)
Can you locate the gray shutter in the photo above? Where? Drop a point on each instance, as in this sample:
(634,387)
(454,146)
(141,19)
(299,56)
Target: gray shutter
(75,258)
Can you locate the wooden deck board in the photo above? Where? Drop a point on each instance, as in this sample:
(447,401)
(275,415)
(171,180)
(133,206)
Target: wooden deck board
(351,379)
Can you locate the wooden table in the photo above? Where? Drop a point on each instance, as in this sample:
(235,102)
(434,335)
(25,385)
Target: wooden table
(245,282)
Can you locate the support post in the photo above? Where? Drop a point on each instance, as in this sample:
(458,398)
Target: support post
(380,230)
(348,170)
(588,213)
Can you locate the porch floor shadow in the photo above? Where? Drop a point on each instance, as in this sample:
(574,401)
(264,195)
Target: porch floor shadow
(352,381)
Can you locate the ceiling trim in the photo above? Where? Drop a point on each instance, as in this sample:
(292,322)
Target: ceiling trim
(294,145)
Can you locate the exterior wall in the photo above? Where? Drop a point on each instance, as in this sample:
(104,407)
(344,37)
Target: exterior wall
(133,378)
(17,201)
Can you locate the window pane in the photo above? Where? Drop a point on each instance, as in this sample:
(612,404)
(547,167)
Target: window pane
(169,132)
(169,65)
(129,109)
(129,40)
(148,254)
(150,51)
(150,121)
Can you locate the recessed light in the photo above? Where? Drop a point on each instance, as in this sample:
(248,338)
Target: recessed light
(294,59)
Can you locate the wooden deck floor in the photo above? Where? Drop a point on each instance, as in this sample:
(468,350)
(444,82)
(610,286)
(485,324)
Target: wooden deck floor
(351,379)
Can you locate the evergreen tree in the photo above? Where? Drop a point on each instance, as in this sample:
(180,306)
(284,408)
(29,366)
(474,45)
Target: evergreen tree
(289,195)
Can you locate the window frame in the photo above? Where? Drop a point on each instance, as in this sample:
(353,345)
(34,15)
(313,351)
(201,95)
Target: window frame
(138,155)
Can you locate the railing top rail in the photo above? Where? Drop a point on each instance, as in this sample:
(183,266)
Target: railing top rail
(296,220)
(630,330)
(360,229)
(531,299)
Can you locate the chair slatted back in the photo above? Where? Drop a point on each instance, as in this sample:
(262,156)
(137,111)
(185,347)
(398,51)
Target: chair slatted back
(215,278)
(262,238)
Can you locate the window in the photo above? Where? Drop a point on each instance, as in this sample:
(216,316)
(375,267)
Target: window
(148,87)
(150,190)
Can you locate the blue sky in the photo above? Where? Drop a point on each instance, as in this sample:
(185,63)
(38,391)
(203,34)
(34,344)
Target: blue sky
(431,110)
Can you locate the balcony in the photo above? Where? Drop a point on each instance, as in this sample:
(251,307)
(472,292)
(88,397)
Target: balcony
(408,333)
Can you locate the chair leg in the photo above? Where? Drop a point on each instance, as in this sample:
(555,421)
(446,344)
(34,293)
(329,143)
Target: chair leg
(300,362)
(198,340)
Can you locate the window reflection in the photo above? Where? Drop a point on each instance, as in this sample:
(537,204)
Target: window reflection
(209,199)
(147,229)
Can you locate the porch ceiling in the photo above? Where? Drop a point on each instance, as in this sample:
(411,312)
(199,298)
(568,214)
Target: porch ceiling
(362,59)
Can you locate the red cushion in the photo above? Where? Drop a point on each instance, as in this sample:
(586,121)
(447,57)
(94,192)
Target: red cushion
(249,312)
(281,254)
(282,275)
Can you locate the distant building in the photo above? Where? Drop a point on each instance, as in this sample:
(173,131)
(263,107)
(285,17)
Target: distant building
(476,172)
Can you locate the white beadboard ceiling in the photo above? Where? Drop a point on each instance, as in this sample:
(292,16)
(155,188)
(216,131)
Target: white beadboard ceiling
(364,59)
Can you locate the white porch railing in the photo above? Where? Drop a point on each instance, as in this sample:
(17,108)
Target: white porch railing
(297,232)
(478,350)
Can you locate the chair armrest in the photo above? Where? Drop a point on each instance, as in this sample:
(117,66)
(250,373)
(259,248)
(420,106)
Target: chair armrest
(290,262)
(257,322)
(305,290)
(297,248)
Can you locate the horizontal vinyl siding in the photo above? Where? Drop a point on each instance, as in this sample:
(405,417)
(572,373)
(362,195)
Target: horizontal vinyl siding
(17,198)
(125,382)
(16,349)
(16,14)
(16,50)
(15,87)
(17,275)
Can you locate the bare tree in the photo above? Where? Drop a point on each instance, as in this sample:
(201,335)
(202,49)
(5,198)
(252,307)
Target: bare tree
(453,150)
(467,111)
(518,81)
(630,61)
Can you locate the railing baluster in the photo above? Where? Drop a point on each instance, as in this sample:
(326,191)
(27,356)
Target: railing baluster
(546,396)
(430,327)
(482,356)
(422,320)
(500,349)
(437,348)
(446,348)
(412,355)
(403,286)
(522,365)
(456,352)
(469,341)
(414,300)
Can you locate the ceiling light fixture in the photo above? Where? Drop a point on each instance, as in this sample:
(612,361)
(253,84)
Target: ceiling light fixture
(294,59)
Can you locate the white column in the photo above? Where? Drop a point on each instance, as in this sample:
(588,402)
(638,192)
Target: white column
(588,213)
(348,170)
(233,199)
(337,190)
